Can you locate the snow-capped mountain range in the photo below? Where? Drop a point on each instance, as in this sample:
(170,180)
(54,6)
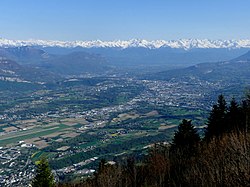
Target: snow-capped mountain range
(154,44)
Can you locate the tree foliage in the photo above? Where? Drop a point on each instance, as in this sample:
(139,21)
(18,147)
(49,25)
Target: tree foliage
(186,138)
(44,176)
(235,117)
(225,119)
(217,120)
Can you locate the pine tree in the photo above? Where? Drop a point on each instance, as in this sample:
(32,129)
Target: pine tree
(217,125)
(182,151)
(44,176)
(186,138)
(246,111)
(235,117)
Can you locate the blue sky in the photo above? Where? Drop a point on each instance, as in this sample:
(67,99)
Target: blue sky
(124,19)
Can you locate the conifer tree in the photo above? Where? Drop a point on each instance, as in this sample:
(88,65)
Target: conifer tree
(44,176)
(183,149)
(246,111)
(186,138)
(235,117)
(217,125)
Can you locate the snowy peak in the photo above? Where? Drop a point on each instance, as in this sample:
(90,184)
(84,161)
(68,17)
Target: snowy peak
(123,44)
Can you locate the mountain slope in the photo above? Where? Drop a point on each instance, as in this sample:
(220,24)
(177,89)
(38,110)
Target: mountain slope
(77,63)
(234,71)
(13,72)
(25,55)
(243,58)
(74,63)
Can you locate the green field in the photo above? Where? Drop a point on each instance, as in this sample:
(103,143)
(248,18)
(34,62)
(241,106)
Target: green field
(23,135)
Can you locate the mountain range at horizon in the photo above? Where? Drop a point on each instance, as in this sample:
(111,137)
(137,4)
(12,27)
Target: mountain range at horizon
(28,64)
(123,44)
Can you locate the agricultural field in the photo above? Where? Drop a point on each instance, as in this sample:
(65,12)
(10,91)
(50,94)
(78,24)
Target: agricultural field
(36,134)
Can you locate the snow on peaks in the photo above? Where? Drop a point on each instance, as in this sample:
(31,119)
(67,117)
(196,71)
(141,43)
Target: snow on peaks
(182,43)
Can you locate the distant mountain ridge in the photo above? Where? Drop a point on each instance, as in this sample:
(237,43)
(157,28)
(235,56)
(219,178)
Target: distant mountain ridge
(37,60)
(76,63)
(13,72)
(133,43)
(236,71)
(25,54)
(243,58)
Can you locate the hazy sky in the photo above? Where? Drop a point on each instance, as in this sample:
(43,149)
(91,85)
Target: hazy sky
(124,19)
